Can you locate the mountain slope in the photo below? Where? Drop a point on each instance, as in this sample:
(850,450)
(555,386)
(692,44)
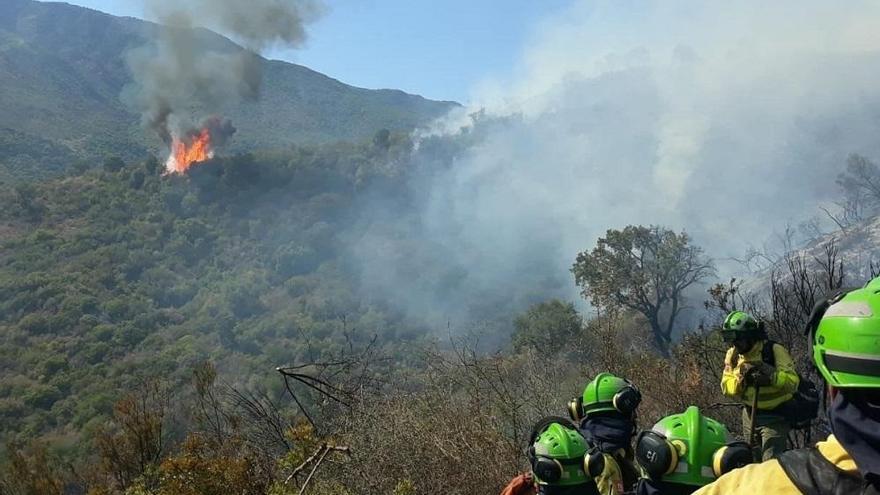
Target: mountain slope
(107,278)
(62,70)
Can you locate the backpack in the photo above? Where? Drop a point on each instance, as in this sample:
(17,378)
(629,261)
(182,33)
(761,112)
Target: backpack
(803,407)
(813,474)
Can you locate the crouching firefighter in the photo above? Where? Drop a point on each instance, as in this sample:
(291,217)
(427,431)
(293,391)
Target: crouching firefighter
(684,452)
(605,414)
(559,458)
(761,374)
(844,334)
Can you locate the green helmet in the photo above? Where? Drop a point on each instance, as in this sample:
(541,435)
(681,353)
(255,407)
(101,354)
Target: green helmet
(599,394)
(689,449)
(558,454)
(739,323)
(846,342)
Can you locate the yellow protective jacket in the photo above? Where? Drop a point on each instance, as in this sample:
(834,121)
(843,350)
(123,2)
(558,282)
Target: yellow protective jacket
(785,380)
(610,482)
(768,477)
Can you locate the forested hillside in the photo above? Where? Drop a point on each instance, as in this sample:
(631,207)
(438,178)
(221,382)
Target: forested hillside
(120,273)
(327,291)
(143,316)
(64,77)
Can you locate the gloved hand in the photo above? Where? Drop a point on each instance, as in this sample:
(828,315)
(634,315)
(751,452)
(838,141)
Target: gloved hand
(523,484)
(760,374)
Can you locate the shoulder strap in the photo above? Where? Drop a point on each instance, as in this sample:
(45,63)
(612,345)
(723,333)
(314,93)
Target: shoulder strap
(767,352)
(813,474)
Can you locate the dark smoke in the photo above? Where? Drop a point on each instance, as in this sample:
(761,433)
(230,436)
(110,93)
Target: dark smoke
(220,129)
(185,72)
(254,23)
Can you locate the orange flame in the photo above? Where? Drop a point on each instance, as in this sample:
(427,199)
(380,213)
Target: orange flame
(184,155)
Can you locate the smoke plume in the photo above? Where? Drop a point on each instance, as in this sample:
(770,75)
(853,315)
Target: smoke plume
(186,72)
(726,119)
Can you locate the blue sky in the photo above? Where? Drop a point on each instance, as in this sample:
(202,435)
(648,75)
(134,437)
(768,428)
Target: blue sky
(437,49)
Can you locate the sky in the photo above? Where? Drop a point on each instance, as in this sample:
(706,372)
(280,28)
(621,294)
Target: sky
(440,50)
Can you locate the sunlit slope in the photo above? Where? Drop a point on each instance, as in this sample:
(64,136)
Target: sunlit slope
(64,76)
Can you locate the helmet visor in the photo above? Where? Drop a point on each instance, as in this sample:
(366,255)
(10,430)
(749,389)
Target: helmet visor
(729,335)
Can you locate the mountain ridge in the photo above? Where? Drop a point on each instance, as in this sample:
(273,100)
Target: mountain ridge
(63,70)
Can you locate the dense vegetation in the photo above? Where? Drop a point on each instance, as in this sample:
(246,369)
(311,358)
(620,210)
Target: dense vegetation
(64,78)
(462,416)
(119,274)
(142,317)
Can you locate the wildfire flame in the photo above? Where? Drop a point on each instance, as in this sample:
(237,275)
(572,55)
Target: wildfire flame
(188,151)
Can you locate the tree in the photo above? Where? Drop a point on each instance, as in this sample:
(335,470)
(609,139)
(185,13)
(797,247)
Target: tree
(113,163)
(644,269)
(81,166)
(547,327)
(860,187)
(136,179)
(382,139)
(139,434)
(151,164)
(31,471)
(26,196)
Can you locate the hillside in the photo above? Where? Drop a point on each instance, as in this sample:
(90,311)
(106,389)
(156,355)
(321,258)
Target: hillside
(63,71)
(110,277)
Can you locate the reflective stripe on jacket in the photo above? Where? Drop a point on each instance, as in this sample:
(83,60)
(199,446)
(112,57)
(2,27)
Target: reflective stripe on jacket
(768,477)
(785,380)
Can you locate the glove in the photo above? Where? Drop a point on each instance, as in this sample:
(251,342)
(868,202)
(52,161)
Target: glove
(760,375)
(523,484)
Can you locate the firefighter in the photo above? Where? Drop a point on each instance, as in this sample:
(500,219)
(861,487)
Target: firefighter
(559,458)
(754,363)
(606,413)
(685,451)
(844,333)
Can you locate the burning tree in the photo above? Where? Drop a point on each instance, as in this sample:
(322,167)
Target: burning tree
(197,145)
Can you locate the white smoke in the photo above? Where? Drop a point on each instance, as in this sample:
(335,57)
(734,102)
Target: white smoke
(726,119)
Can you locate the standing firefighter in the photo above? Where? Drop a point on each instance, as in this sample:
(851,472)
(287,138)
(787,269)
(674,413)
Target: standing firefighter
(755,364)
(559,457)
(605,413)
(684,452)
(844,334)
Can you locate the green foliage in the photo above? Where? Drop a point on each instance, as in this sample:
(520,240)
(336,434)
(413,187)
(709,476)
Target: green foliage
(103,283)
(644,269)
(41,396)
(66,83)
(404,487)
(113,164)
(547,327)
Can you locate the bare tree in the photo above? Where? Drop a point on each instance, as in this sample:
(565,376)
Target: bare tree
(860,189)
(860,184)
(211,415)
(795,287)
(138,436)
(336,380)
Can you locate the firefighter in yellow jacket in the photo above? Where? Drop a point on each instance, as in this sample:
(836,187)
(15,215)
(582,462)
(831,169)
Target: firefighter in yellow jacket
(746,369)
(844,332)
